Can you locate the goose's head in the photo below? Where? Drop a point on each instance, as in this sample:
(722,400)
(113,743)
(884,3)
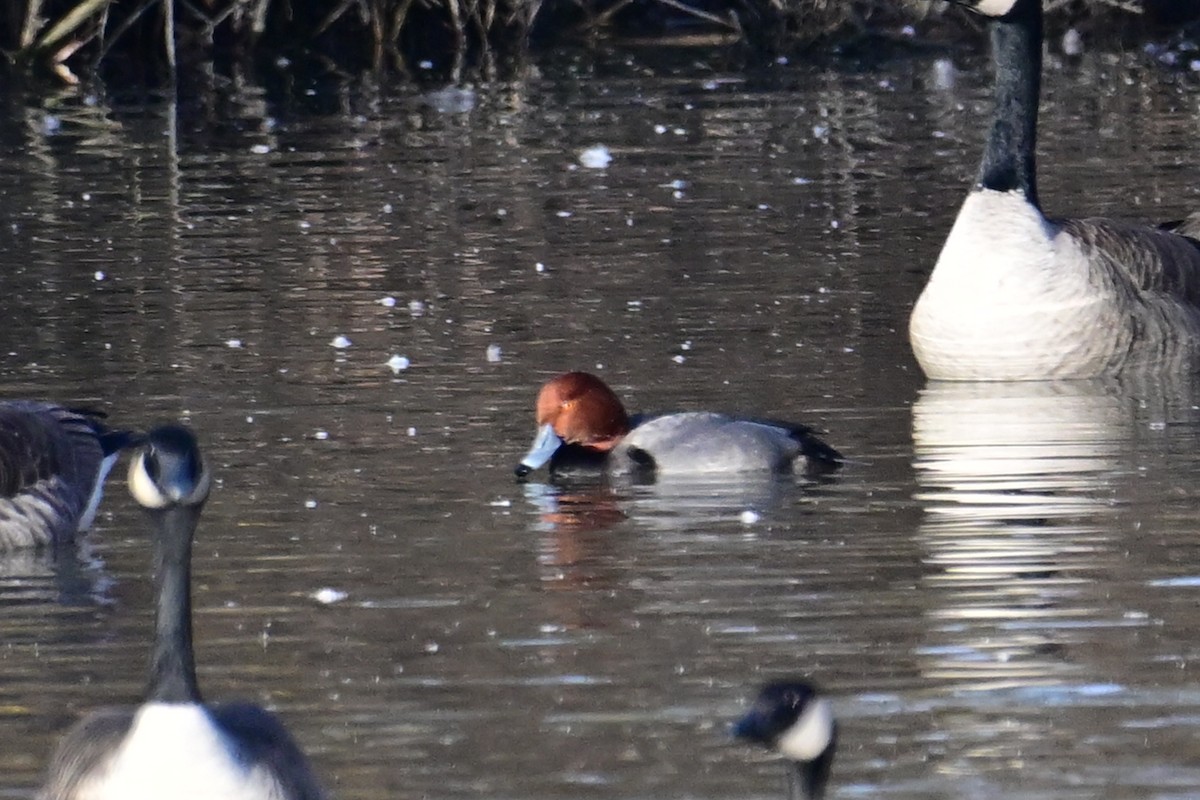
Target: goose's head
(793,719)
(169,470)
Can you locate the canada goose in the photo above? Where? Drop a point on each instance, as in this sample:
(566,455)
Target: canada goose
(174,745)
(53,462)
(1019,296)
(793,719)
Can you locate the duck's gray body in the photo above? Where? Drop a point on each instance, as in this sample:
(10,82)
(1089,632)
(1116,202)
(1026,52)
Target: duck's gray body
(53,462)
(700,443)
(1016,295)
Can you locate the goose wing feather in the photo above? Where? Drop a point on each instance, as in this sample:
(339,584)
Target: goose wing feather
(1154,260)
(1189,226)
(83,752)
(265,742)
(40,442)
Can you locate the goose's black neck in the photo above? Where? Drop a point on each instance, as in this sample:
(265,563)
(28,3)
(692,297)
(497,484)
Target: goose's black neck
(1008,159)
(172,663)
(807,779)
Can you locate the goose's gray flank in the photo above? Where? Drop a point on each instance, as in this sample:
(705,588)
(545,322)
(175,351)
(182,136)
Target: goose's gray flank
(1017,295)
(174,745)
(53,462)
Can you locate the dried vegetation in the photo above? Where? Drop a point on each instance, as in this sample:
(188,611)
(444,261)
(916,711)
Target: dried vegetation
(70,37)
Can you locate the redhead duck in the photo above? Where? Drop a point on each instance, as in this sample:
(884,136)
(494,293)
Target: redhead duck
(582,427)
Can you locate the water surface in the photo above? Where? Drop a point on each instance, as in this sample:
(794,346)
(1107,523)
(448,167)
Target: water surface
(998,591)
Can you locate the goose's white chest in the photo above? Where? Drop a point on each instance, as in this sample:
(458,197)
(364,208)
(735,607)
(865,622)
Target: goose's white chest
(1010,298)
(175,751)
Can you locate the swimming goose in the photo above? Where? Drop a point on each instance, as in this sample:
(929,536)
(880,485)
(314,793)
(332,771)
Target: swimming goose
(174,745)
(1016,295)
(53,462)
(793,719)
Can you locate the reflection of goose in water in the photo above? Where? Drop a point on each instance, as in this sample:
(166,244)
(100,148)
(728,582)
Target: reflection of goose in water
(998,450)
(1015,479)
(1032,496)
(1018,484)
(73,576)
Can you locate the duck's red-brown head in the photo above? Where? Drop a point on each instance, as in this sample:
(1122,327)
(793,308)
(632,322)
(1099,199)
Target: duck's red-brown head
(575,408)
(582,410)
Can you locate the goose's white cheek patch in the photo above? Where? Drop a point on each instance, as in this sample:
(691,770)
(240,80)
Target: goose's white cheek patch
(810,734)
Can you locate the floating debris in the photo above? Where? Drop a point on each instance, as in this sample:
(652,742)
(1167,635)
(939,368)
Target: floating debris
(234,343)
(260,149)
(398,364)
(493,353)
(451,100)
(945,76)
(1072,43)
(328,596)
(388,302)
(596,157)
(340,342)
(749,517)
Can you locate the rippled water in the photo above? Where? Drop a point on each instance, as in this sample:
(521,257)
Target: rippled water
(999,591)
